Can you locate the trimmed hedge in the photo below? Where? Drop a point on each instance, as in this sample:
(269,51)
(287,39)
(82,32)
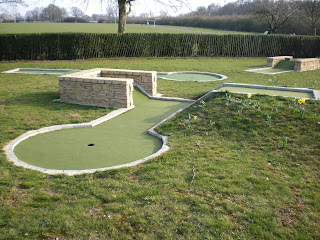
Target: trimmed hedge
(60,46)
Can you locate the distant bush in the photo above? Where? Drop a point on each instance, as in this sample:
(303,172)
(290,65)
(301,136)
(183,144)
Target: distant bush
(137,20)
(228,22)
(243,23)
(87,45)
(73,19)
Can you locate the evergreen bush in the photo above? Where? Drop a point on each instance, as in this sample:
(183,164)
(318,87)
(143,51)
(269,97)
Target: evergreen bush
(60,46)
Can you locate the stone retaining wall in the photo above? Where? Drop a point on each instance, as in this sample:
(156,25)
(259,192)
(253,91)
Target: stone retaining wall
(146,79)
(306,64)
(273,61)
(89,88)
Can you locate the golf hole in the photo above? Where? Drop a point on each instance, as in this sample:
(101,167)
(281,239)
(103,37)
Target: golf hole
(90,145)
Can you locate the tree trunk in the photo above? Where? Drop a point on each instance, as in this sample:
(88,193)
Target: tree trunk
(315,31)
(122,16)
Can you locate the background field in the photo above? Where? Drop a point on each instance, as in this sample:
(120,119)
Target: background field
(101,28)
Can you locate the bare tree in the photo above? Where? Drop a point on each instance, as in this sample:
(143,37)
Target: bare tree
(201,11)
(144,15)
(13,2)
(123,13)
(34,15)
(28,16)
(274,13)
(212,9)
(111,12)
(36,12)
(77,13)
(310,14)
(53,13)
(124,7)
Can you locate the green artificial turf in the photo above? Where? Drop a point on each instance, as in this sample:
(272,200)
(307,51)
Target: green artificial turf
(190,77)
(285,65)
(281,67)
(121,140)
(267,92)
(45,71)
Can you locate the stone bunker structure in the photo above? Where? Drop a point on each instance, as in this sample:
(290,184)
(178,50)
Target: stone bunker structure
(273,61)
(306,64)
(105,87)
(301,64)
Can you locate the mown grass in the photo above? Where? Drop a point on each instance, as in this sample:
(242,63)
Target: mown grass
(229,174)
(103,28)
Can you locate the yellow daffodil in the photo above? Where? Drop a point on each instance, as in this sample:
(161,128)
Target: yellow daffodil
(301,101)
(195,117)
(249,95)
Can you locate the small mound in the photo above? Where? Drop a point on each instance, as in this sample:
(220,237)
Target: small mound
(285,65)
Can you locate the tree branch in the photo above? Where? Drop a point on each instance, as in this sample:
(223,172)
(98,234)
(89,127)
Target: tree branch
(129,8)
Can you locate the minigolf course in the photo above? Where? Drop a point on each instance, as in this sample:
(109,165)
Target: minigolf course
(121,140)
(126,136)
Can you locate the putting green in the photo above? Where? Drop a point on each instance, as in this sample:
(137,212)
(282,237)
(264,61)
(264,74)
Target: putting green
(121,140)
(270,92)
(282,66)
(285,65)
(190,76)
(46,71)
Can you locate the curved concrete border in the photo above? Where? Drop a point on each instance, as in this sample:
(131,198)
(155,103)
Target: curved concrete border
(223,77)
(9,148)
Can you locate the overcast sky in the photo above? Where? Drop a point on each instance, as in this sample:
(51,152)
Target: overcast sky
(138,6)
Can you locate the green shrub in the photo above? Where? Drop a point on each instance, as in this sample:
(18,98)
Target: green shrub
(89,45)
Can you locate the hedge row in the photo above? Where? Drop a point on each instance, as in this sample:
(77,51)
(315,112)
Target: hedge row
(61,46)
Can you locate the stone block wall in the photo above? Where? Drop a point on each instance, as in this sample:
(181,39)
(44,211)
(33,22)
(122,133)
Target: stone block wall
(89,88)
(306,64)
(146,79)
(273,61)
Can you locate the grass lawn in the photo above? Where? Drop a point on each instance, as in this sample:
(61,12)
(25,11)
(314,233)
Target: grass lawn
(102,28)
(244,169)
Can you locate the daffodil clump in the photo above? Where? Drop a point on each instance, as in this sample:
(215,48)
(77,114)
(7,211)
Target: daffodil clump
(301,101)
(302,109)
